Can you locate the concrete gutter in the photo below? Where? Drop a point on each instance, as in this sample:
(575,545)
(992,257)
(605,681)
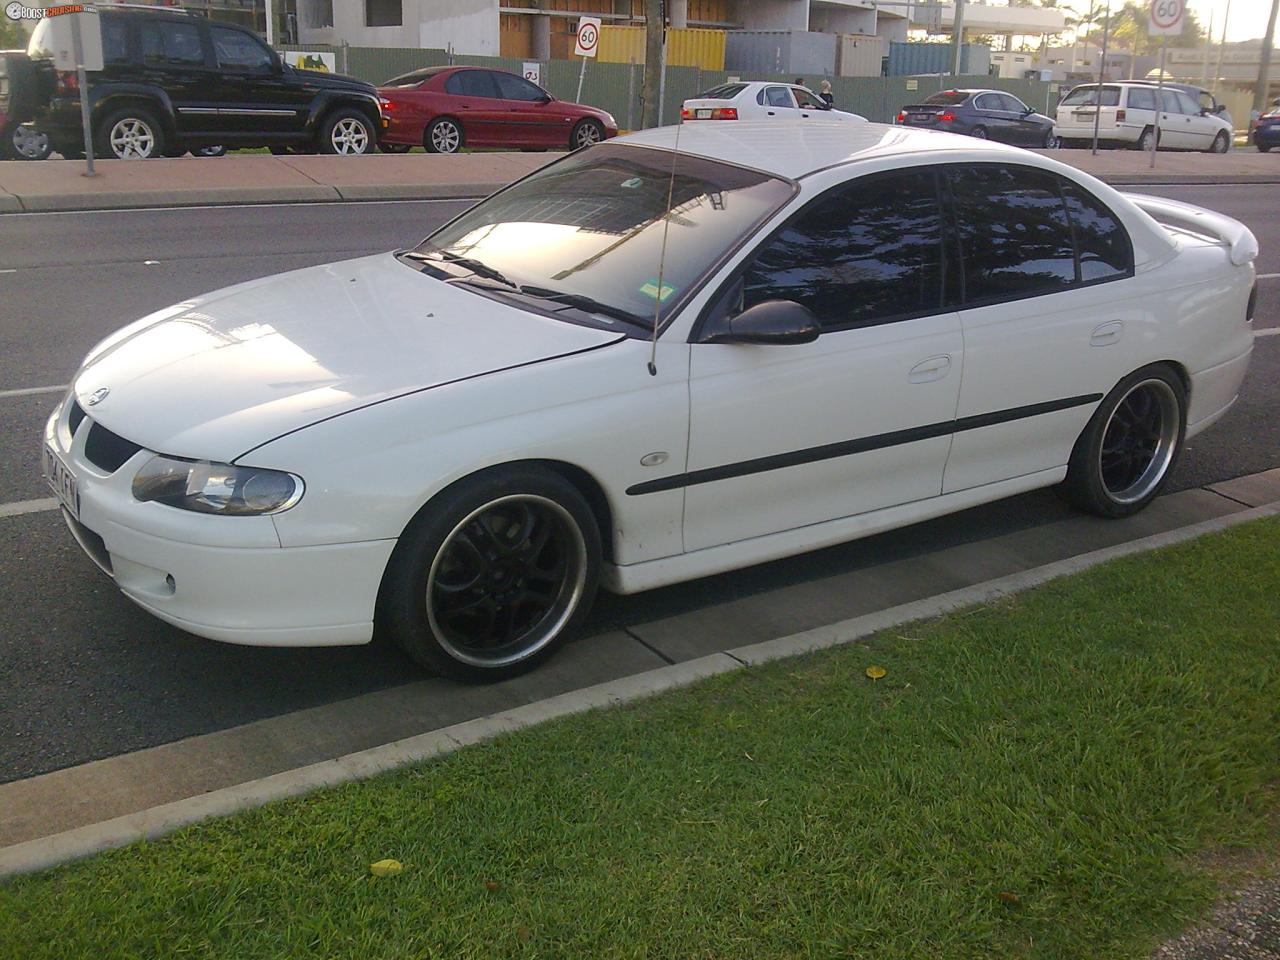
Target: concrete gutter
(159,820)
(60,185)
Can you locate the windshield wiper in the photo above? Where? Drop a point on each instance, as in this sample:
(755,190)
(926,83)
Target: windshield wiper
(589,304)
(475,266)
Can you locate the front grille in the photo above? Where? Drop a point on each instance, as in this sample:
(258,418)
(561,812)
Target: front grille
(75,417)
(106,450)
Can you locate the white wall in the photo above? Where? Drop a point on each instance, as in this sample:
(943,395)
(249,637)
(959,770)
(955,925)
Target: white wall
(830,19)
(470,25)
(771,14)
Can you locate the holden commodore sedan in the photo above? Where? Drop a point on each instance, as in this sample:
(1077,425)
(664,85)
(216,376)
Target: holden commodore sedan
(851,329)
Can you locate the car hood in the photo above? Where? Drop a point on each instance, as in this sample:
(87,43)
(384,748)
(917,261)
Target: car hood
(213,377)
(320,80)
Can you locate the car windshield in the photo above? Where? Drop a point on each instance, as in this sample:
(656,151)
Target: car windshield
(947,98)
(590,229)
(1088,97)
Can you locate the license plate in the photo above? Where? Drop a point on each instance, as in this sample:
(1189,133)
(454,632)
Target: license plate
(920,116)
(703,114)
(62,480)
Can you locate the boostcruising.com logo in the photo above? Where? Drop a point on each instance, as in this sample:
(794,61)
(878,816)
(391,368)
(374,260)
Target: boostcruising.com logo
(18,11)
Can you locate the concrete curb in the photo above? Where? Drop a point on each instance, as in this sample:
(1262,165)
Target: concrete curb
(85,841)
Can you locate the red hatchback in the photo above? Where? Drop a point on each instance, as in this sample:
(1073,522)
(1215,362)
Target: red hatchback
(446,108)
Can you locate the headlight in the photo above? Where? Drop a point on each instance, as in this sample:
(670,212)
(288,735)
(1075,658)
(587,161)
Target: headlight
(207,487)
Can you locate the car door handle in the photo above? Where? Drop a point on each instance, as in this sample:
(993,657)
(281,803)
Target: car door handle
(1107,333)
(771,113)
(935,368)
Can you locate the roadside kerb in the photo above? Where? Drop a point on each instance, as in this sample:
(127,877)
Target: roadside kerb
(160,820)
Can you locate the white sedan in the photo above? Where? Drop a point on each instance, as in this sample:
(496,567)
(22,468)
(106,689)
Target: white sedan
(454,444)
(756,100)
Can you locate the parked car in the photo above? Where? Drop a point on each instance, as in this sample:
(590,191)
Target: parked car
(1126,116)
(1208,102)
(985,114)
(17,140)
(756,100)
(857,327)
(444,109)
(1266,129)
(174,82)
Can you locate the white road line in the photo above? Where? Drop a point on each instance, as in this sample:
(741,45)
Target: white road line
(27,506)
(1267,276)
(1269,332)
(32,391)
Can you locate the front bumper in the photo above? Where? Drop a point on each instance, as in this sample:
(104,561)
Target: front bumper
(225,578)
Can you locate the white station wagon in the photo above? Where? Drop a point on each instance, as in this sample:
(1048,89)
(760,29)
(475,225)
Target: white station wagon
(858,328)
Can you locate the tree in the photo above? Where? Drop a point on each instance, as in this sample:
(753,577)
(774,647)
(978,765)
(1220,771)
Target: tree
(12,37)
(1129,29)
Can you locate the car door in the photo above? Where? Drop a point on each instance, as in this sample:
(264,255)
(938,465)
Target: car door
(782,436)
(1024,124)
(476,103)
(1201,129)
(255,94)
(174,58)
(1175,123)
(533,117)
(778,102)
(990,114)
(1046,335)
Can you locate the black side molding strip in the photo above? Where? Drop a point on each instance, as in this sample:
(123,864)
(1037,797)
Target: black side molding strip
(845,448)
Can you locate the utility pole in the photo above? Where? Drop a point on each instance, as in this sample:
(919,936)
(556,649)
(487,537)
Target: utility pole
(1222,43)
(1264,68)
(957,37)
(651,87)
(1102,75)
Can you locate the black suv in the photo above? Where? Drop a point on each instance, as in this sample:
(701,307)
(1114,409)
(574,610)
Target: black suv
(173,81)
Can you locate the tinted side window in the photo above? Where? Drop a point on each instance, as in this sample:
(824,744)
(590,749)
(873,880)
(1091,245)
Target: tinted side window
(985,102)
(115,40)
(1186,104)
(1013,103)
(471,83)
(171,44)
(1170,101)
(860,255)
(511,87)
(1105,250)
(1140,99)
(1015,239)
(239,51)
(779,97)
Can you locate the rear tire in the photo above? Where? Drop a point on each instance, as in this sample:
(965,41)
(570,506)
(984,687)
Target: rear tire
(979,133)
(1147,140)
(133,133)
(493,575)
(1264,147)
(1131,444)
(20,142)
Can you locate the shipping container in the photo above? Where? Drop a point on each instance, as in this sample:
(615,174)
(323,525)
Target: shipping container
(860,55)
(916,59)
(797,52)
(685,47)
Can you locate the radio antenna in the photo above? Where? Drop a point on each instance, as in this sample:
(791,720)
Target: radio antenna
(662,256)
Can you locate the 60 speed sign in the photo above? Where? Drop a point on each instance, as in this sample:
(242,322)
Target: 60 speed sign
(1166,18)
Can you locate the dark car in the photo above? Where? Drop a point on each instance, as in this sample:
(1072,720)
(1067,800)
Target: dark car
(1266,129)
(174,82)
(445,108)
(985,114)
(17,141)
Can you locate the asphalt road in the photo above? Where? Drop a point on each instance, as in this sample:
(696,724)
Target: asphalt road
(84,674)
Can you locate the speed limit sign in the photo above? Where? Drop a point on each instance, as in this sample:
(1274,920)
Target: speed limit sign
(588,41)
(1166,18)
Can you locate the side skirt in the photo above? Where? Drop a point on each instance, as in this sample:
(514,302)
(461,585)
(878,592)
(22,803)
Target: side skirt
(636,577)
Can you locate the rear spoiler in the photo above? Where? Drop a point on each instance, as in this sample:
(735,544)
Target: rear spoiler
(1233,234)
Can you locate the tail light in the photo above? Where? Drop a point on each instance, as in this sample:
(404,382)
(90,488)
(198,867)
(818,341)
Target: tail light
(947,117)
(719,113)
(1119,116)
(65,82)
(902,116)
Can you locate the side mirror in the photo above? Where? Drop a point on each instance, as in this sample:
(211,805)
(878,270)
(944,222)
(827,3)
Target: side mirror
(545,98)
(770,322)
(1027,111)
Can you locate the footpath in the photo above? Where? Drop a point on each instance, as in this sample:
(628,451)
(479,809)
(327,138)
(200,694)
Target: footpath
(61,185)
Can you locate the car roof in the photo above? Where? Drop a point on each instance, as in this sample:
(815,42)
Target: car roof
(808,146)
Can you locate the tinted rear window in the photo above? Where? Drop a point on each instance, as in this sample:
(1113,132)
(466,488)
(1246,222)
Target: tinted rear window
(726,91)
(1088,96)
(409,79)
(947,98)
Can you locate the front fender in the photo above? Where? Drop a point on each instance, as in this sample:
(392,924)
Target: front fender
(328,100)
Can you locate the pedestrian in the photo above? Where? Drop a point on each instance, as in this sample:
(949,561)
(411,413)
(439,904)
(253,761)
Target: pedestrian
(825,94)
(799,81)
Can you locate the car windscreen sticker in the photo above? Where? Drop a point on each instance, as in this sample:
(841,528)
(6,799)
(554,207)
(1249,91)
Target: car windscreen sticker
(650,289)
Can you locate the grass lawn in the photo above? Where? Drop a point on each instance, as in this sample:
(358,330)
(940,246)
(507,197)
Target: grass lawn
(1063,774)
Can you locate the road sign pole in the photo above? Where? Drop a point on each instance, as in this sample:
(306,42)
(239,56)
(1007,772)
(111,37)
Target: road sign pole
(1155,144)
(82,80)
(582,75)
(1102,73)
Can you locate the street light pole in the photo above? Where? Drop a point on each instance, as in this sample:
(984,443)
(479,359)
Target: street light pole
(957,37)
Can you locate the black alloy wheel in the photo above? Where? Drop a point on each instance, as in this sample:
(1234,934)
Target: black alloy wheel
(493,575)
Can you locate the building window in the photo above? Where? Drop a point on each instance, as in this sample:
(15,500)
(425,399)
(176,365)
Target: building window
(317,14)
(383,13)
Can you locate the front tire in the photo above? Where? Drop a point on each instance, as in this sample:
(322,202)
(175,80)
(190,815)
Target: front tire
(347,133)
(585,133)
(1131,444)
(132,134)
(1263,147)
(1051,141)
(493,576)
(1221,143)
